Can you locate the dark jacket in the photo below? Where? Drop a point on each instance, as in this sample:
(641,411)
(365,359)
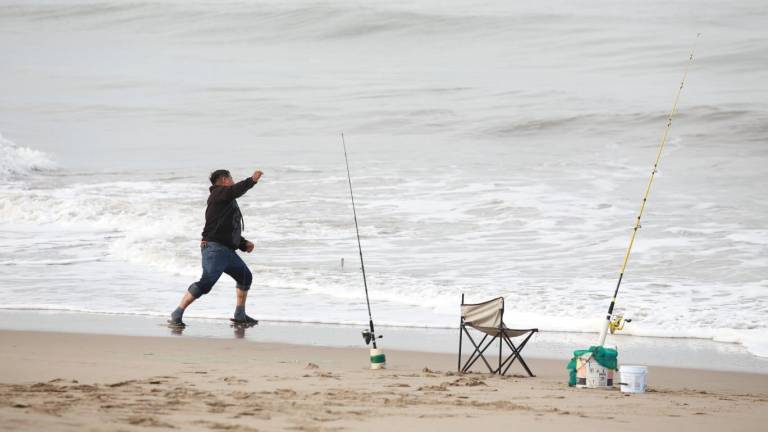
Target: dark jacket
(223,219)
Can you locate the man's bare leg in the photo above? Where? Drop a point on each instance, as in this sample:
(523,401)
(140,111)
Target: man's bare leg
(241,296)
(186,301)
(240,316)
(179,312)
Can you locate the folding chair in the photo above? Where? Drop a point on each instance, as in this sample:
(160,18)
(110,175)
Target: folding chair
(488,318)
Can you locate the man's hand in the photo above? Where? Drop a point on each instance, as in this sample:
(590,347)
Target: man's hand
(248,247)
(257,175)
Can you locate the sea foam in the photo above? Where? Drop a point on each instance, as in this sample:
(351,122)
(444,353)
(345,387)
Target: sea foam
(17,161)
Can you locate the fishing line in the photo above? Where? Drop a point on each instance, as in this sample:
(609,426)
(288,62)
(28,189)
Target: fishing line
(369,335)
(616,323)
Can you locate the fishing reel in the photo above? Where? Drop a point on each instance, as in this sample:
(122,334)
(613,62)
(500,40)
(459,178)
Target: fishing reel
(617,323)
(368,336)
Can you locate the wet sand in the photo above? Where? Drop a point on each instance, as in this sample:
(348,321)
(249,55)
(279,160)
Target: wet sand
(68,381)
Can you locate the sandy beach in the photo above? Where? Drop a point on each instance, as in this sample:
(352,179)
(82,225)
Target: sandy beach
(68,381)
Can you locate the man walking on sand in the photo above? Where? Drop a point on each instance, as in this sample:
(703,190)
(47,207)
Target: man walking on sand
(222,235)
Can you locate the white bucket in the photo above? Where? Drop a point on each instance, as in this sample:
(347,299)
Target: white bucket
(633,378)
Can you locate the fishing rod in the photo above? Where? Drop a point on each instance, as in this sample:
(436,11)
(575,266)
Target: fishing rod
(368,335)
(612,322)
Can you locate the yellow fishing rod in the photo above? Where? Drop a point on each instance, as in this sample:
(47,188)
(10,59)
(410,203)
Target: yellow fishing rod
(612,322)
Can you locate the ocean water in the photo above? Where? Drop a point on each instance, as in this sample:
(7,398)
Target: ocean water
(495,149)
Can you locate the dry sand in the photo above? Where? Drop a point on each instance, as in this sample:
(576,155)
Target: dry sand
(79,382)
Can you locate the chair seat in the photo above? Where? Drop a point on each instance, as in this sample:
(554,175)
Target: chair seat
(493,331)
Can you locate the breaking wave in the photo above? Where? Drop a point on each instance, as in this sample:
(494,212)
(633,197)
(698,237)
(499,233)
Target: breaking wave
(18,161)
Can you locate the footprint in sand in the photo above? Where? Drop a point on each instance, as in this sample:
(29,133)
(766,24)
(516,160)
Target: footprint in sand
(440,387)
(285,393)
(430,372)
(226,427)
(148,421)
(217,406)
(121,383)
(231,380)
(467,382)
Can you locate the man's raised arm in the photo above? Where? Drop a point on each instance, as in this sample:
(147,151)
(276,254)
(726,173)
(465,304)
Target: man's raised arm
(228,193)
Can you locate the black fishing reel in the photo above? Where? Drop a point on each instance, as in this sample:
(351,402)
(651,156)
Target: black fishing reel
(368,336)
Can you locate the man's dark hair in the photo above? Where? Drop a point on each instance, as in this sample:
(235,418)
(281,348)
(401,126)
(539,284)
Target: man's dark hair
(216,175)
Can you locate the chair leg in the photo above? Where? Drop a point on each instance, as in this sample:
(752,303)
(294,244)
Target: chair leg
(516,354)
(522,360)
(515,349)
(478,354)
(479,350)
(500,342)
(461,336)
(510,359)
(472,357)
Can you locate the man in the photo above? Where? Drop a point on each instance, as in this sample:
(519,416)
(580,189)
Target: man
(222,235)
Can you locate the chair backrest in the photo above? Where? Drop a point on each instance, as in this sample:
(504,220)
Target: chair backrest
(488,314)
